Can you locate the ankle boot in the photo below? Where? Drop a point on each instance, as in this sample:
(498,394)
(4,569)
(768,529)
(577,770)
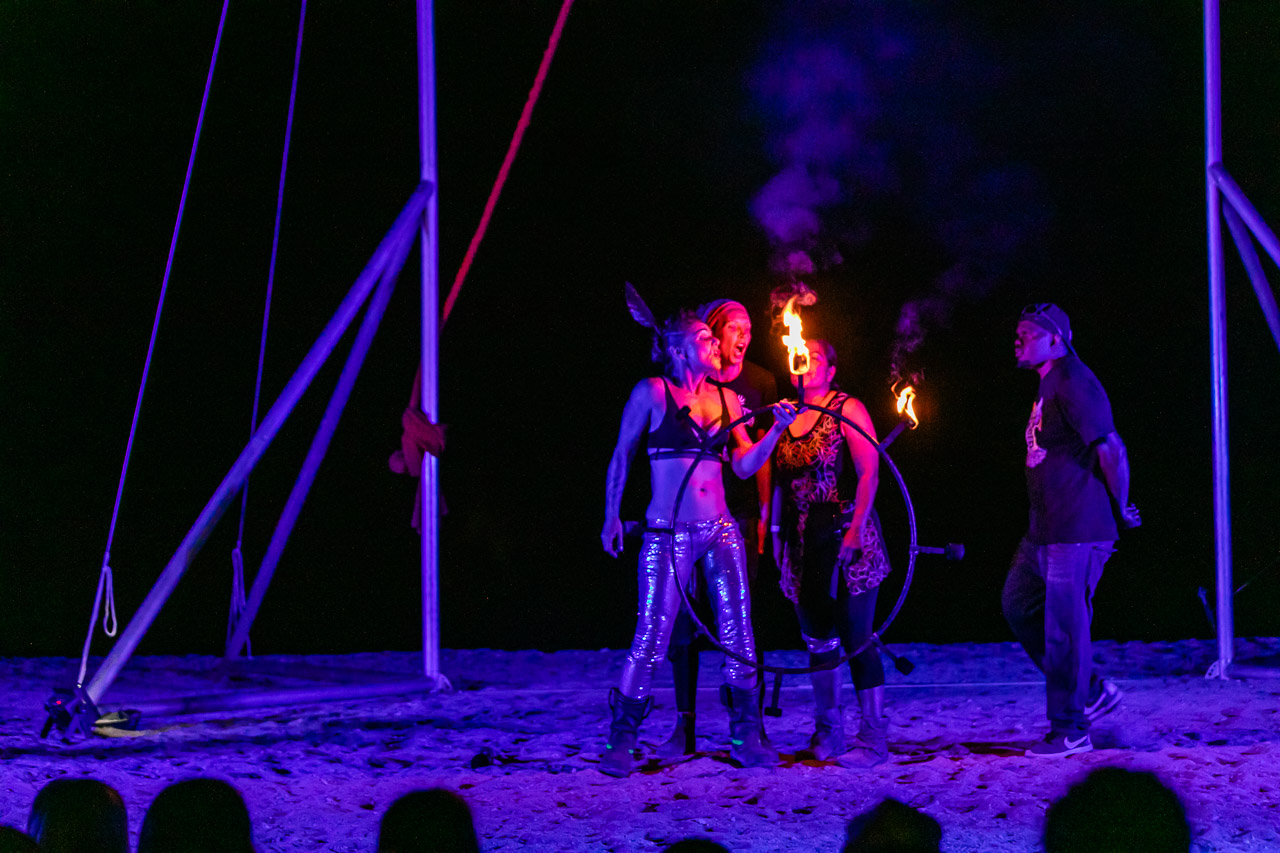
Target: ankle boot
(682,741)
(617,759)
(828,714)
(746,747)
(871,746)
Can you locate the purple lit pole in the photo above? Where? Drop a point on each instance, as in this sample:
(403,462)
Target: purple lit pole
(231,484)
(319,446)
(1218,337)
(429,481)
(1242,215)
(1247,212)
(1253,266)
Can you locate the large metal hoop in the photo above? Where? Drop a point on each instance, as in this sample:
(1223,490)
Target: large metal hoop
(912,550)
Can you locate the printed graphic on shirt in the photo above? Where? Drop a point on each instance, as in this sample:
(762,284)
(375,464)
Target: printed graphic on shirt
(1035,453)
(742,403)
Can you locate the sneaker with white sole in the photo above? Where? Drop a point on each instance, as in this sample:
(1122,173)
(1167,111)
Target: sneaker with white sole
(1107,700)
(1059,745)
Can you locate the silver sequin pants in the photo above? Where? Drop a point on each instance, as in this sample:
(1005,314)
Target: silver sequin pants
(716,547)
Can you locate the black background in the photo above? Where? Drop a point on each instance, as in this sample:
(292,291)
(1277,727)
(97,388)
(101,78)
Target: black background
(643,156)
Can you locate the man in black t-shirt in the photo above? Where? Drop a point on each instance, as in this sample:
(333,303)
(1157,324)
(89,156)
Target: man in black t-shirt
(1078,485)
(748,500)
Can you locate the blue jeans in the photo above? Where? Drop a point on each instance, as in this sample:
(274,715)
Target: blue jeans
(1048,602)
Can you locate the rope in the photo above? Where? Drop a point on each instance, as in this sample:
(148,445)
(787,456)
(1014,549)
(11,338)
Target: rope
(521,127)
(237,559)
(105,584)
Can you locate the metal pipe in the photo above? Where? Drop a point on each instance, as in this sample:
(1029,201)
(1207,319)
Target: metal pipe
(248,458)
(1228,186)
(237,700)
(1253,266)
(1218,335)
(319,446)
(429,480)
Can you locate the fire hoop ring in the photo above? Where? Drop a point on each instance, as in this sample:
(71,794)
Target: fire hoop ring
(874,639)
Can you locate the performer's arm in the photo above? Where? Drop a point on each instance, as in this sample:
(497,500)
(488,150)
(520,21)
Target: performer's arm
(749,457)
(1113,459)
(635,417)
(764,491)
(866,462)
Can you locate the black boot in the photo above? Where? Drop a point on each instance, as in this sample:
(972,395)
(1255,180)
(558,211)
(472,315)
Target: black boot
(682,741)
(871,746)
(744,728)
(828,714)
(624,732)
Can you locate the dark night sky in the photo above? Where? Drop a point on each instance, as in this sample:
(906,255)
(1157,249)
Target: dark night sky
(643,158)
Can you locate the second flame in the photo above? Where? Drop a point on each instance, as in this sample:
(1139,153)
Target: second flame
(906,401)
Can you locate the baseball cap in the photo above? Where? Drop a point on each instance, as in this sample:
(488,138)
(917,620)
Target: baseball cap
(1051,318)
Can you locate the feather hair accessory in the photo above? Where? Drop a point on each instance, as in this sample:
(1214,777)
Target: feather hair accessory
(639,311)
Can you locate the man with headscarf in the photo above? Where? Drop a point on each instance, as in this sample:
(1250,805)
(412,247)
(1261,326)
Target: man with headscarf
(748,500)
(1078,485)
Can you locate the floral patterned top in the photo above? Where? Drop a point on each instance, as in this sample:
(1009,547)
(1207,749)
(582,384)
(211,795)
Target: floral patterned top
(811,469)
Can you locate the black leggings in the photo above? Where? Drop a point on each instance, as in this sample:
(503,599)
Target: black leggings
(847,620)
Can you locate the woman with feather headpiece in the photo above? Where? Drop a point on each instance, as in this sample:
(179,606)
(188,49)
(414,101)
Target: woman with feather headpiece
(687,422)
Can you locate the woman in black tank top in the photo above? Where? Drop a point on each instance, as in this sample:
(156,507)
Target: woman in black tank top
(831,556)
(686,419)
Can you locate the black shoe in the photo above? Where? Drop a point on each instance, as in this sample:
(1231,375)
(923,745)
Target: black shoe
(1108,700)
(682,741)
(1060,745)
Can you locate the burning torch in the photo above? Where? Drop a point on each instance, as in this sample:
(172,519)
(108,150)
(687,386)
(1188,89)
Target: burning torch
(797,352)
(906,412)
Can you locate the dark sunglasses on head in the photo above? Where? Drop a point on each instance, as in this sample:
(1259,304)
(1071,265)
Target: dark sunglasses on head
(1041,309)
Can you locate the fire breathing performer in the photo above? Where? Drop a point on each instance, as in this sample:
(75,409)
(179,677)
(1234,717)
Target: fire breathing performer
(832,558)
(1078,485)
(748,501)
(684,414)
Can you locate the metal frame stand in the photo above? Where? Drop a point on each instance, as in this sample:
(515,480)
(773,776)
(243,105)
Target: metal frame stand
(78,710)
(1243,220)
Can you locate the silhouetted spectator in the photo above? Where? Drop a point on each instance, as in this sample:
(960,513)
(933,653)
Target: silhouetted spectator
(893,827)
(431,821)
(1117,809)
(197,816)
(696,845)
(16,841)
(79,816)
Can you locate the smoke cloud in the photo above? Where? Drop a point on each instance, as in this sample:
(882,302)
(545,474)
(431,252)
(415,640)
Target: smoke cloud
(877,107)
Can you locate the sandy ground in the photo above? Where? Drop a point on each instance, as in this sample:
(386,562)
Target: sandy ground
(519,736)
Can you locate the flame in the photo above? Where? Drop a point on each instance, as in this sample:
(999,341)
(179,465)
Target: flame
(906,405)
(797,352)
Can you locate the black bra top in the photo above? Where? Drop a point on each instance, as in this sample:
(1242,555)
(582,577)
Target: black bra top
(679,436)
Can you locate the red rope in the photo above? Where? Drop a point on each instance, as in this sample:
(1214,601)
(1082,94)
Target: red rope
(521,127)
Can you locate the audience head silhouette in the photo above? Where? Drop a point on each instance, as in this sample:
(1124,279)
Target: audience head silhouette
(1117,809)
(79,816)
(696,845)
(893,827)
(16,841)
(431,821)
(197,816)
